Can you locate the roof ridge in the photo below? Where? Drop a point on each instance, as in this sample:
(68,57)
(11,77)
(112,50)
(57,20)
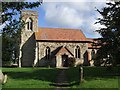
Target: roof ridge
(60,28)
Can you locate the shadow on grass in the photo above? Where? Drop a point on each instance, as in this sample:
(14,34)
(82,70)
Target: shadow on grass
(51,74)
(36,74)
(43,74)
(101,73)
(92,73)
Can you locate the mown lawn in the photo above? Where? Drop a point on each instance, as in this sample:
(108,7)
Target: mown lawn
(94,77)
(30,77)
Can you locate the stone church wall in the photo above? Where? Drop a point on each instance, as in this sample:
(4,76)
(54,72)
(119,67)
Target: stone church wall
(56,45)
(28,50)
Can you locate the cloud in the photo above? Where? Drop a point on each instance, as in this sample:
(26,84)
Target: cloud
(63,16)
(75,0)
(79,15)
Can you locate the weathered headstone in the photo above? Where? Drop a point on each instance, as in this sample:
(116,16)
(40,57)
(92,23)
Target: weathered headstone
(3,78)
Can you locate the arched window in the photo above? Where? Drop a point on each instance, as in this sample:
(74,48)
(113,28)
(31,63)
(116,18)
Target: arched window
(47,53)
(93,54)
(77,52)
(29,24)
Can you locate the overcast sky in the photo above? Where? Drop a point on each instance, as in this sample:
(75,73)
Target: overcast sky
(81,15)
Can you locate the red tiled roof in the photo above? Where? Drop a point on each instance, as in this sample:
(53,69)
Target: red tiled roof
(92,42)
(90,39)
(89,45)
(60,34)
(92,47)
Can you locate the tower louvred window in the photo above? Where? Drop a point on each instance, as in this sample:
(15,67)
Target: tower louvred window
(29,24)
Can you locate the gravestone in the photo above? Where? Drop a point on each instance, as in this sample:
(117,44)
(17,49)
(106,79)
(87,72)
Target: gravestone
(3,78)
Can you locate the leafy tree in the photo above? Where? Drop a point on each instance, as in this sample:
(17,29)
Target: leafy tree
(110,42)
(11,33)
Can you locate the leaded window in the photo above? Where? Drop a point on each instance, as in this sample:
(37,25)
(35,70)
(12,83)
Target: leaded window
(77,52)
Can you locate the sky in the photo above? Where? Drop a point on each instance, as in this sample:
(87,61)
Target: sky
(74,14)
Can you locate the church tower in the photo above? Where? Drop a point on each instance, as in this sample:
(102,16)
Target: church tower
(28,43)
(31,20)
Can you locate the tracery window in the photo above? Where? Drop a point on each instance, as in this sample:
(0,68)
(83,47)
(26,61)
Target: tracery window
(77,52)
(93,54)
(47,53)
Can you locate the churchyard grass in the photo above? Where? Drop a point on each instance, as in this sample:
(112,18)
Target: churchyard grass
(30,77)
(94,77)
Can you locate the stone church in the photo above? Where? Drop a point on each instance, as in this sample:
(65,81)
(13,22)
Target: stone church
(52,46)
